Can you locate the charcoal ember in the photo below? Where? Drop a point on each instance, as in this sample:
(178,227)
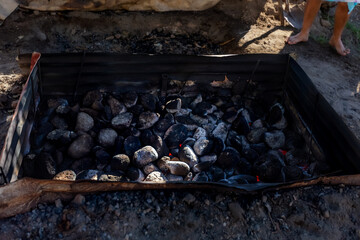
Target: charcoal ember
(199,133)
(243,179)
(107,137)
(156,176)
(202,166)
(275,114)
(149,101)
(113,176)
(202,121)
(145,155)
(260,148)
(45,166)
(197,99)
(218,145)
(135,174)
(293,173)
(202,109)
(257,124)
(173,106)
(188,141)
(229,158)
(90,174)
(296,157)
(131,144)
(203,146)
(102,157)
(119,145)
(84,122)
(116,106)
(149,168)
(241,125)
(123,120)
(183,112)
(268,167)
(174,152)
(173,178)
(59,122)
(256,135)
(136,110)
(175,135)
(120,162)
(221,131)
(82,164)
(243,166)
(54,103)
(130,99)
(81,146)
(275,139)
(230,115)
(161,126)
(187,155)
(187,122)
(91,97)
(189,177)
(178,168)
(147,120)
(62,136)
(240,143)
(67,175)
(216,173)
(63,109)
(200,177)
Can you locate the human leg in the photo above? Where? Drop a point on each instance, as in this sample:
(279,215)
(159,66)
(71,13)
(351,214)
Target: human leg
(341,18)
(311,10)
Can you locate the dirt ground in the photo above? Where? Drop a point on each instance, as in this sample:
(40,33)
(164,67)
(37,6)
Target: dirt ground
(318,212)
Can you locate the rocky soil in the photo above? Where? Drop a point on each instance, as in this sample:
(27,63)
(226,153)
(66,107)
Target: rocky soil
(319,212)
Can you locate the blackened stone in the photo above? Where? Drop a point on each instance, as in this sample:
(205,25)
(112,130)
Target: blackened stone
(293,140)
(209,158)
(183,112)
(293,173)
(296,157)
(135,174)
(230,115)
(91,97)
(91,112)
(116,106)
(216,173)
(102,156)
(228,158)
(175,152)
(173,106)
(178,168)
(107,113)
(221,131)
(107,137)
(202,166)
(241,125)
(240,143)
(186,121)
(84,122)
(149,168)
(161,163)
(82,164)
(276,112)
(45,166)
(59,122)
(130,99)
(131,131)
(187,155)
(199,133)
(189,141)
(268,167)
(257,124)
(173,178)
(203,146)
(196,100)
(243,179)
(275,139)
(175,135)
(161,126)
(203,108)
(189,177)
(136,110)
(97,106)
(67,175)
(90,174)
(28,165)
(282,124)
(218,145)
(63,109)
(156,176)
(122,120)
(80,147)
(229,172)
(201,177)
(256,135)
(62,136)
(202,121)
(113,176)
(147,120)
(54,103)
(120,162)
(250,154)
(145,156)
(148,138)
(119,145)
(243,166)
(40,134)
(260,148)
(131,144)
(149,101)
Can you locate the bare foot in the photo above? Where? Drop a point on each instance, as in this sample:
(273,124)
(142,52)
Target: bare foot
(300,37)
(339,46)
